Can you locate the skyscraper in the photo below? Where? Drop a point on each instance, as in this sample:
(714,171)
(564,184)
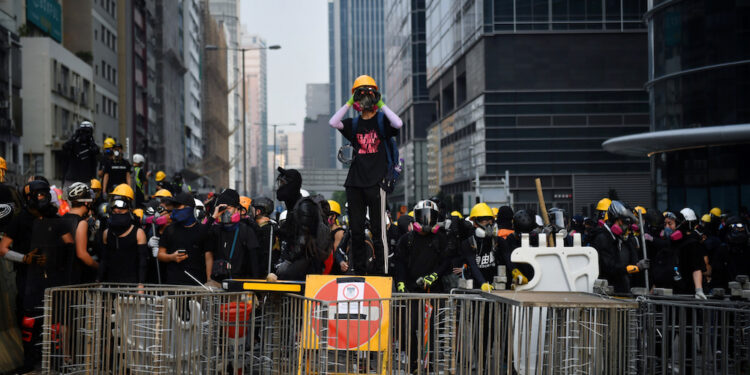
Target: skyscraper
(356,34)
(256,105)
(534,87)
(192,36)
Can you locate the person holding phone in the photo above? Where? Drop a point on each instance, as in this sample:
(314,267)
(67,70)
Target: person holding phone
(185,246)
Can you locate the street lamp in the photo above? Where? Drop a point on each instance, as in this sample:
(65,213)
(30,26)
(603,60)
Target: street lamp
(211,47)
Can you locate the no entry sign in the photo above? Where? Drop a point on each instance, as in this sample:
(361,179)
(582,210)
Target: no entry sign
(349,313)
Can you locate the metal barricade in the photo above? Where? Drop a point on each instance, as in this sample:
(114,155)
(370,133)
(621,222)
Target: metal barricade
(682,335)
(119,329)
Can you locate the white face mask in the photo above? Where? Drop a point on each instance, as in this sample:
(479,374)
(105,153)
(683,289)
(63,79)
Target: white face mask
(486,231)
(117,153)
(479,232)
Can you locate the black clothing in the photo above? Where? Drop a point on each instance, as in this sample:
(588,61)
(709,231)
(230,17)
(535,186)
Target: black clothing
(46,236)
(360,199)
(263,234)
(302,252)
(663,261)
(118,170)
(80,159)
(9,195)
(79,272)
(196,241)
(420,255)
(123,259)
(729,261)
(615,255)
(245,261)
(689,252)
(480,254)
(370,158)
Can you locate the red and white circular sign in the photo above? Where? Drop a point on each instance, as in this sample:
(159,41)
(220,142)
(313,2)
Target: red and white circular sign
(351,322)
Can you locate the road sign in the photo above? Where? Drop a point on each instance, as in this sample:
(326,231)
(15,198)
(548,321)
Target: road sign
(356,316)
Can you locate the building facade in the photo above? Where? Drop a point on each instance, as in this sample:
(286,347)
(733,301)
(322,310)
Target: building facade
(58,94)
(405,57)
(226,12)
(256,117)
(534,87)
(215,166)
(356,31)
(11,104)
(192,52)
(93,37)
(316,132)
(698,80)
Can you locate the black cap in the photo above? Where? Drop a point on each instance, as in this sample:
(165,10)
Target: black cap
(229,197)
(182,199)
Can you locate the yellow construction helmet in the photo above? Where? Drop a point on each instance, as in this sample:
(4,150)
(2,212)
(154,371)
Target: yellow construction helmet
(706,218)
(481,210)
(495,210)
(3,164)
(109,143)
(138,212)
(603,204)
(335,206)
(364,80)
(640,209)
(123,190)
(245,202)
(163,193)
(96,184)
(457,214)
(160,175)
(716,211)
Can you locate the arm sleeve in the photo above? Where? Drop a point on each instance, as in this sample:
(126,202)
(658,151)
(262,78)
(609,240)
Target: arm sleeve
(142,256)
(392,117)
(468,257)
(335,121)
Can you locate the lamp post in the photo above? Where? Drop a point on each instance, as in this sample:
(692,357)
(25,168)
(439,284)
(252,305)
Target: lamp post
(211,47)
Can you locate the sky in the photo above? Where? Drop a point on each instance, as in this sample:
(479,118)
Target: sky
(301,28)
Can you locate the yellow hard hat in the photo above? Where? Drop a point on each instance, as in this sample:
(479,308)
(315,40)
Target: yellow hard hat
(138,212)
(716,211)
(457,214)
(96,184)
(411,213)
(640,209)
(160,175)
(364,80)
(163,193)
(3,164)
(245,202)
(706,218)
(335,206)
(603,204)
(481,210)
(495,210)
(109,143)
(123,190)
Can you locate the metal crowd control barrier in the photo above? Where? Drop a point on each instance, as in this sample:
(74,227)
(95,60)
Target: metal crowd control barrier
(121,329)
(682,335)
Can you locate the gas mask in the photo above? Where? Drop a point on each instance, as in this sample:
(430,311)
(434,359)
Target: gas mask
(487,231)
(229,218)
(366,99)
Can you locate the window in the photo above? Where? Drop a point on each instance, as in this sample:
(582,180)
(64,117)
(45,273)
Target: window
(35,163)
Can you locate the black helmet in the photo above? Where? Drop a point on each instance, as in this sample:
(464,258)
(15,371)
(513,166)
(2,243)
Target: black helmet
(426,213)
(307,214)
(264,204)
(523,222)
(737,232)
(32,190)
(617,210)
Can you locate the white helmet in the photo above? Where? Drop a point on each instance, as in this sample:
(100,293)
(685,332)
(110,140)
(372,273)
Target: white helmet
(689,214)
(282,216)
(304,193)
(85,125)
(200,208)
(78,192)
(138,158)
(539,221)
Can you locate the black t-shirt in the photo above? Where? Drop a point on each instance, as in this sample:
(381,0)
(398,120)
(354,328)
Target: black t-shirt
(19,230)
(370,158)
(118,170)
(82,160)
(196,241)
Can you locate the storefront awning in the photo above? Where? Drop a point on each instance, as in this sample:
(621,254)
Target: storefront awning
(650,143)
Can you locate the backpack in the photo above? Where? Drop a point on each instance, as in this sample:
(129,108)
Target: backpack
(393,172)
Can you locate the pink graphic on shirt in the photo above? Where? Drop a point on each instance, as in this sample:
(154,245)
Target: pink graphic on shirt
(368,142)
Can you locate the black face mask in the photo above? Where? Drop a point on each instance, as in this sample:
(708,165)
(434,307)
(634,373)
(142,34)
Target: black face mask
(119,223)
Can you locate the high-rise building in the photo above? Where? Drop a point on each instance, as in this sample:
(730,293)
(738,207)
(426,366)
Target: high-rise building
(11,104)
(214,105)
(698,85)
(256,118)
(316,132)
(407,94)
(533,88)
(356,46)
(226,12)
(170,82)
(92,36)
(58,94)
(293,150)
(193,49)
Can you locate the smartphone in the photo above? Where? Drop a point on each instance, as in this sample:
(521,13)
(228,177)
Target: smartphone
(181,252)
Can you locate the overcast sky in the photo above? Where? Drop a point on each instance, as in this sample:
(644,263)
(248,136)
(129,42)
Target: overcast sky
(301,28)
